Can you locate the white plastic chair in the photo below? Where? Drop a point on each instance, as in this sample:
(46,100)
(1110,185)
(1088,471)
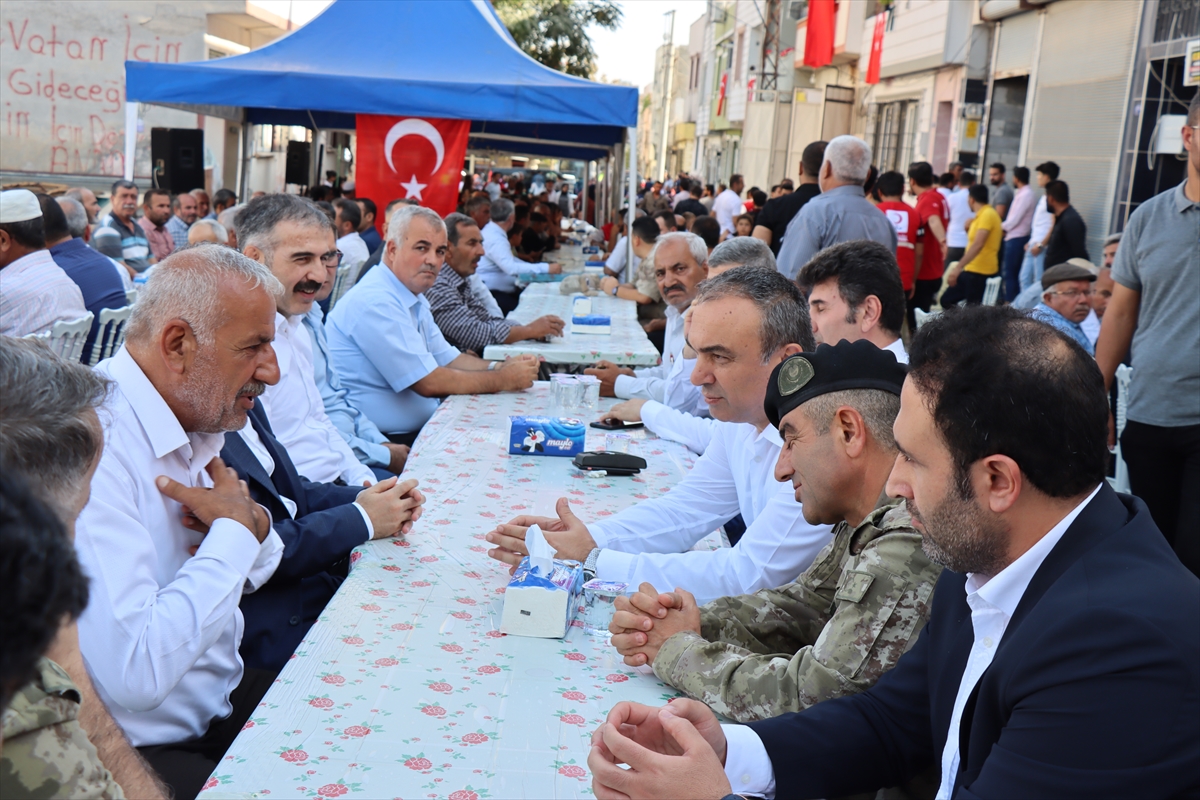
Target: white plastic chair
(67,337)
(110,335)
(130,297)
(991,290)
(1121,482)
(341,282)
(923,316)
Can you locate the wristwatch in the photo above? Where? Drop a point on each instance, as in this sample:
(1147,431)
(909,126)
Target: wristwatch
(589,566)
(614,291)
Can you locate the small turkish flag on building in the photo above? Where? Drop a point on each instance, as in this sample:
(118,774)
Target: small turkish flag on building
(410,157)
(876,48)
(818,39)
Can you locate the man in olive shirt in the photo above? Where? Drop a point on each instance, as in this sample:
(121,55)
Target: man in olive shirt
(982,259)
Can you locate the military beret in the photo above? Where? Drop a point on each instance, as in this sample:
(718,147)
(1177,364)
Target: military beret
(831,368)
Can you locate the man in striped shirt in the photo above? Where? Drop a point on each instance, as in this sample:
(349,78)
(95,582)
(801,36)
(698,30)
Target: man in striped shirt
(183,208)
(463,319)
(135,247)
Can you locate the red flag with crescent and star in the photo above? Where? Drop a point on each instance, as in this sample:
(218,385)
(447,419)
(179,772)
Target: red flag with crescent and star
(403,157)
(877,48)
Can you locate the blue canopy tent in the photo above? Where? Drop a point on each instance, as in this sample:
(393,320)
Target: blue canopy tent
(451,59)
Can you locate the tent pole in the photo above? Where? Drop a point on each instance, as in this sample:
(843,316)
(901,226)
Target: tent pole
(631,154)
(587,174)
(247,144)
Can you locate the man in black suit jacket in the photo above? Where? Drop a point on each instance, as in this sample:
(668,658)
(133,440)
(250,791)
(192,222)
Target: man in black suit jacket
(328,522)
(1063,658)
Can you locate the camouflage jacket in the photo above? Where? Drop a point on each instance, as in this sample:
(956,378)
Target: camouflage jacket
(46,752)
(843,623)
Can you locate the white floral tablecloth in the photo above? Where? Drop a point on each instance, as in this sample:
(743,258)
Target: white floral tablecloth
(405,687)
(627,345)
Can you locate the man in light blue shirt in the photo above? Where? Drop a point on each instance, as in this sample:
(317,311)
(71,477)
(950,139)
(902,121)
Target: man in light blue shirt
(1066,301)
(499,268)
(393,361)
(841,213)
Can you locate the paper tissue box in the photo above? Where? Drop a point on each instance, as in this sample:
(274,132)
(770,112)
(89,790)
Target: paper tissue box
(543,593)
(592,324)
(546,436)
(581,306)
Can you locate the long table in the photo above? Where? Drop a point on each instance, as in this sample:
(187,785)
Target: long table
(627,345)
(405,686)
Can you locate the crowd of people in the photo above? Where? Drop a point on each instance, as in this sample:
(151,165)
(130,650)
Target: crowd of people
(175,519)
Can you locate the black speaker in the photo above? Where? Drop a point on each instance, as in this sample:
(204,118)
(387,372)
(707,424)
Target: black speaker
(299,164)
(177,157)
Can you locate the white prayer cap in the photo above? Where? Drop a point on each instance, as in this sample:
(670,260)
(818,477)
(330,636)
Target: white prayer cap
(18,205)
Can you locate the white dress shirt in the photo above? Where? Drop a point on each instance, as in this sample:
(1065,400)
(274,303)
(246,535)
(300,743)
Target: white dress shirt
(992,601)
(670,382)
(727,206)
(616,261)
(162,630)
(689,429)
(297,412)
(736,474)
(1043,221)
(35,293)
(354,252)
(896,348)
(499,268)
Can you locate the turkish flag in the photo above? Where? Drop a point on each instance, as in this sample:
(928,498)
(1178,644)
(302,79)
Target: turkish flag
(400,157)
(876,48)
(818,41)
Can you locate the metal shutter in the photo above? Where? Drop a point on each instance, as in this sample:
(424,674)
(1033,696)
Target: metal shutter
(1018,34)
(1079,102)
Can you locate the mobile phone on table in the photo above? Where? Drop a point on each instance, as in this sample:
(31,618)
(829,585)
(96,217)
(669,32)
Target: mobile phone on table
(617,425)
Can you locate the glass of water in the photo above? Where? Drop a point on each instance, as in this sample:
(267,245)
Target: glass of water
(591,391)
(617,442)
(599,603)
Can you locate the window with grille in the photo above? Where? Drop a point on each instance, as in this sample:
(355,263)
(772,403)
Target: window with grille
(895,133)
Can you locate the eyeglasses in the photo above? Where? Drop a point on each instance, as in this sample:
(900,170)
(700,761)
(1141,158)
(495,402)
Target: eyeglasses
(331,259)
(1075,293)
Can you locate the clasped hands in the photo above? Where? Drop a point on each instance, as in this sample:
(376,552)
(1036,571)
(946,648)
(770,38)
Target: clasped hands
(643,622)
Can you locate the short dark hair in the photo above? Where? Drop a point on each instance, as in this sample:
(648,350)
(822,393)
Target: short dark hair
(890,184)
(1021,174)
(1000,382)
(121,184)
(151,192)
(1059,192)
(1049,169)
(453,220)
(734,178)
(669,216)
(998,166)
(224,197)
(786,183)
(966,178)
(921,173)
(368,205)
(861,268)
(41,582)
(256,223)
(979,193)
(707,228)
(54,219)
(812,158)
(646,229)
(946,179)
(536,217)
(350,211)
(759,197)
(784,313)
(29,233)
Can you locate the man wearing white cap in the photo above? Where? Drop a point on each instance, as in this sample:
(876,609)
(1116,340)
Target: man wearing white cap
(34,291)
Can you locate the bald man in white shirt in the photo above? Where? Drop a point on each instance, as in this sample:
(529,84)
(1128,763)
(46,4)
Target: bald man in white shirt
(170,538)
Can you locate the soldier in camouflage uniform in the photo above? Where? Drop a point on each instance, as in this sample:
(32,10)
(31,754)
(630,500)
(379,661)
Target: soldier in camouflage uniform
(859,607)
(46,752)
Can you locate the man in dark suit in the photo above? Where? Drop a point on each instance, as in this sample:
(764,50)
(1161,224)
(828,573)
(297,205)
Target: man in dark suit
(319,523)
(1063,658)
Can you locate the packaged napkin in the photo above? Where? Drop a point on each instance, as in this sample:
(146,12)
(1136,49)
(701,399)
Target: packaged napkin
(543,593)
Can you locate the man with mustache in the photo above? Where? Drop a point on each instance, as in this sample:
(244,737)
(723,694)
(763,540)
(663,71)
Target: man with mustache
(743,323)
(135,247)
(294,239)
(680,263)
(1062,654)
(859,607)
(171,539)
(464,320)
(385,344)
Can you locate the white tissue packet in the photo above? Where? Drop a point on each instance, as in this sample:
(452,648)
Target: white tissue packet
(543,593)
